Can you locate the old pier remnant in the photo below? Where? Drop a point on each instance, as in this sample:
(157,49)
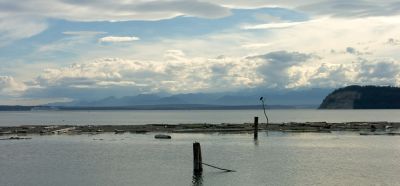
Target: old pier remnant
(255,128)
(197,161)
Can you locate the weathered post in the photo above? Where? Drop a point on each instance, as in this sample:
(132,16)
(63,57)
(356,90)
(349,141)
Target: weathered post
(255,128)
(197,162)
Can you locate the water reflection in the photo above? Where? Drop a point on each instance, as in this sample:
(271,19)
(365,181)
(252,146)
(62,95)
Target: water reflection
(255,142)
(197,179)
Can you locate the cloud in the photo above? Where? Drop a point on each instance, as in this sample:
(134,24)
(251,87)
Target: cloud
(351,50)
(10,87)
(355,8)
(392,41)
(284,57)
(278,25)
(335,8)
(83,33)
(186,7)
(103,10)
(384,72)
(19,20)
(255,45)
(324,75)
(118,39)
(275,66)
(19,27)
(179,73)
(266,52)
(362,72)
(72,43)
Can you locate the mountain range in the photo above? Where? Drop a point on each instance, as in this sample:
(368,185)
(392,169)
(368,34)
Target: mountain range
(307,97)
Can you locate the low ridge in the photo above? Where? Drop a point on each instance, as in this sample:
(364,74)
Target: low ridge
(363,97)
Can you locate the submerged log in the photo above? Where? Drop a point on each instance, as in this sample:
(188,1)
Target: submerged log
(15,138)
(162,136)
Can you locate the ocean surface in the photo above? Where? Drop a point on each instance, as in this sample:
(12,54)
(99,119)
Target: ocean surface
(136,117)
(339,158)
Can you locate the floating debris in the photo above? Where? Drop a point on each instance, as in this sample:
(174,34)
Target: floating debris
(141,131)
(5,132)
(379,133)
(15,138)
(117,131)
(162,136)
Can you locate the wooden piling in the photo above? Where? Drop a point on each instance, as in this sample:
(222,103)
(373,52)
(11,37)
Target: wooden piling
(197,161)
(255,128)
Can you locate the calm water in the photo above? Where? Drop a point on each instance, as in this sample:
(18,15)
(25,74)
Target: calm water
(190,116)
(134,159)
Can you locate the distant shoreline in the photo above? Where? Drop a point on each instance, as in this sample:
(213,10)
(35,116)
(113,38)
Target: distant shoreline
(202,128)
(152,107)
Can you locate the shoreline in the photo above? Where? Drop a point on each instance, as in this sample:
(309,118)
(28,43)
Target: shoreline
(203,128)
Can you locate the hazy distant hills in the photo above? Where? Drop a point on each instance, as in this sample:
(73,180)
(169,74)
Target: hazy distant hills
(351,97)
(363,97)
(15,108)
(308,98)
(244,99)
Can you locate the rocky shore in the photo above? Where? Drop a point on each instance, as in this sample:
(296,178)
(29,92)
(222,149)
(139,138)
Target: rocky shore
(202,128)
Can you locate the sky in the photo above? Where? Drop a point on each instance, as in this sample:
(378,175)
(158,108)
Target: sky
(64,50)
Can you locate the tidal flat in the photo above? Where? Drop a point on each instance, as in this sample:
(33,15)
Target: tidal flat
(389,127)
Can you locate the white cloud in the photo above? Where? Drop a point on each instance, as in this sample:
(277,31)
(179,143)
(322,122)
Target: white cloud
(364,37)
(355,8)
(10,87)
(19,27)
(180,73)
(320,36)
(384,71)
(335,8)
(176,73)
(23,19)
(73,43)
(279,25)
(255,45)
(102,10)
(118,39)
